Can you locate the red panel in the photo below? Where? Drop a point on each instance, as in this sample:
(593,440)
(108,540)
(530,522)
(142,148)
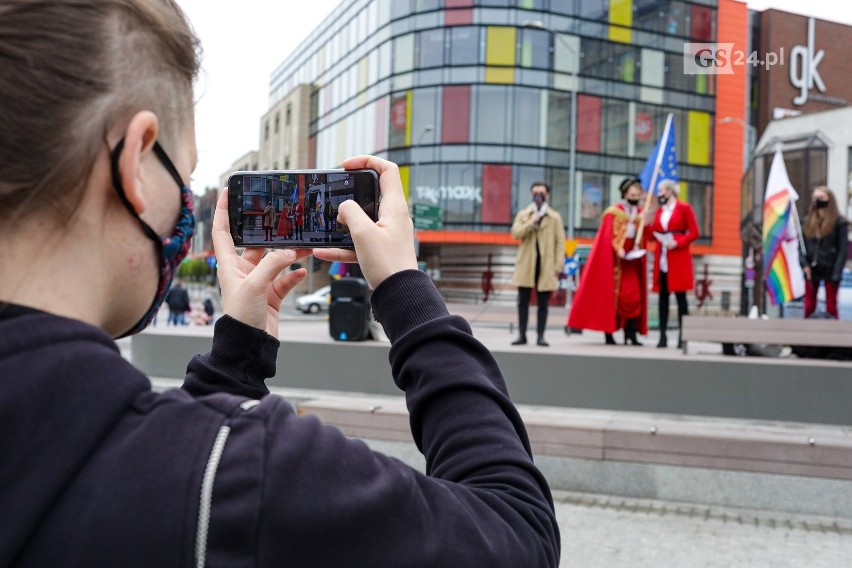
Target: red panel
(701,24)
(496,193)
(457,3)
(455,122)
(458,17)
(588,124)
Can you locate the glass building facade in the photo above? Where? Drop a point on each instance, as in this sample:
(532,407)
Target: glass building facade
(472,98)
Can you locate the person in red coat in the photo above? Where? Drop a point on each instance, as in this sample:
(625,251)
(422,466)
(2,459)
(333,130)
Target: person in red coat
(675,228)
(613,285)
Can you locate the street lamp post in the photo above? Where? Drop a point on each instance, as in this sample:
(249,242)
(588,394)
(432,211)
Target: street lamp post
(572,160)
(426,129)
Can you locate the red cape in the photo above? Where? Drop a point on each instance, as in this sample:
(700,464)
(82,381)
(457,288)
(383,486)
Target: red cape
(594,303)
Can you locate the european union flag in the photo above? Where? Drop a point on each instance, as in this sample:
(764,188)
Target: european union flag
(663,158)
(295,197)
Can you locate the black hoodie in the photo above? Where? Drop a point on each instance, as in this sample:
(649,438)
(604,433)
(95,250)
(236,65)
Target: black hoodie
(98,470)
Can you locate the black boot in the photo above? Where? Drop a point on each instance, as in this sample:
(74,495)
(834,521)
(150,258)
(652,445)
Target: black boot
(522,340)
(610,340)
(630,332)
(541,342)
(662,342)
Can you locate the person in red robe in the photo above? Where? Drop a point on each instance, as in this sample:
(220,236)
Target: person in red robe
(676,228)
(285,223)
(299,220)
(613,287)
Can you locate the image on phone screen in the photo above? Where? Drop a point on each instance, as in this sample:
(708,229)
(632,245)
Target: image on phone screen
(297,208)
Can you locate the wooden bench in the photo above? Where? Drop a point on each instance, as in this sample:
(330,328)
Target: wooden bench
(602,435)
(806,332)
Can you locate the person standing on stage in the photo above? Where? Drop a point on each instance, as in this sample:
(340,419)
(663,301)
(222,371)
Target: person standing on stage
(826,247)
(613,285)
(675,228)
(541,256)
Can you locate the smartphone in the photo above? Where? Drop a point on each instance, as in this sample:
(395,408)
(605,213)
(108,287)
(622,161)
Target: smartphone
(297,208)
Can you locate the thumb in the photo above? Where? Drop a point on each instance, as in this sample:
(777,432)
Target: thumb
(350,214)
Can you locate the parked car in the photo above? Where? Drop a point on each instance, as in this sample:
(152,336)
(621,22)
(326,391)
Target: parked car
(315,302)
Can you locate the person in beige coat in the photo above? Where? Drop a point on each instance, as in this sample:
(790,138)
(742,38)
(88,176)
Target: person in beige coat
(541,256)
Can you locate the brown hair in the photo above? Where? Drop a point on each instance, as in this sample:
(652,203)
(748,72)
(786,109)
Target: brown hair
(70,70)
(819,222)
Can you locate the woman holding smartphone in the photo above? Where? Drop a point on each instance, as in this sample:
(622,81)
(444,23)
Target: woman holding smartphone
(98,470)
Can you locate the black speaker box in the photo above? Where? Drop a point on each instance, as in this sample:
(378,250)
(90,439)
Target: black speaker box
(349,312)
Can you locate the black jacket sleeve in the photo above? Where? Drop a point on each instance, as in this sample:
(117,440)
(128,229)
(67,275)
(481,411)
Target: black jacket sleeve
(331,501)
(241,358)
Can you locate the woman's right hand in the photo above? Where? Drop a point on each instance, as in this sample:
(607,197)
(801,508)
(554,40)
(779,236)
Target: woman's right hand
(807,270)
(385,247)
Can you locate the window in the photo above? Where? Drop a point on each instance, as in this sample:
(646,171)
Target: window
(430,48)
(559,120)
(427,5)
(594,10)
(424,116)
(266,130)
(277,122)
(527,116)
(464,45)
(534,49)
(592,201)
(287,114)
(287,162)
(491,123)
(615,122)
(462,198)
(403,53)
(455,121)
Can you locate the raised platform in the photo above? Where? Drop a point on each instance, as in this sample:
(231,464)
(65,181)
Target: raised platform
(576,371)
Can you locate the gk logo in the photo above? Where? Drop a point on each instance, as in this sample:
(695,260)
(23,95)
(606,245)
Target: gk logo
(804,63)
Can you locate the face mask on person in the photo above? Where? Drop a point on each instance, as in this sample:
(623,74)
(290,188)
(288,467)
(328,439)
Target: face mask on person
(171,250)
(633,202)
(662,200)
(820,203)
(539,199)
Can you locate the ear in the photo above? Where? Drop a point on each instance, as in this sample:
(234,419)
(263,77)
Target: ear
(139,138)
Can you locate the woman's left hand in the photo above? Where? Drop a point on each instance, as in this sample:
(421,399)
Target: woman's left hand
(252,284)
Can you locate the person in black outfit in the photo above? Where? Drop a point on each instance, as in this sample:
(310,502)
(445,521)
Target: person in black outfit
(826,246)
(178,302)
(97,469)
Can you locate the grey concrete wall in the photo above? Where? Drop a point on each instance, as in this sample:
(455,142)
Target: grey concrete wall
(734,387)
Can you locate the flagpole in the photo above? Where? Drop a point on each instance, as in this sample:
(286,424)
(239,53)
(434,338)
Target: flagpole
(651,191)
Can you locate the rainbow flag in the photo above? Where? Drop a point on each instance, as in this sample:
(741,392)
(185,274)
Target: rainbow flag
(784,278)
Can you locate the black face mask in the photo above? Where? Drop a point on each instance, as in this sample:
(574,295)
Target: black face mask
(820,203)
(662,200)
(633,202)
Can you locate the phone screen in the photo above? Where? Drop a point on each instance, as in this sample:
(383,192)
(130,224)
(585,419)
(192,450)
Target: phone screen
(297,208)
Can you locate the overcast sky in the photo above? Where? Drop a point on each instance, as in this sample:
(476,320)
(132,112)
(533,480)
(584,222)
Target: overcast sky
(245,41)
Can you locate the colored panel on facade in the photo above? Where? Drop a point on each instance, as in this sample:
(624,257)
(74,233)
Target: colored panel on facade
(732,27)
(496,193)
(701,24)
(455,119)
(698,146)
(458,17)
(405,178)
(457,3)
(381,141)
(500,46)
(620,19)
(505,75)
(588,123)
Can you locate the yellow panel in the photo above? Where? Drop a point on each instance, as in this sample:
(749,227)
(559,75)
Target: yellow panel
(499,75)
(620,19)
(405,177)
(698,146)
(500,46)
(409,96)
(684,191)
